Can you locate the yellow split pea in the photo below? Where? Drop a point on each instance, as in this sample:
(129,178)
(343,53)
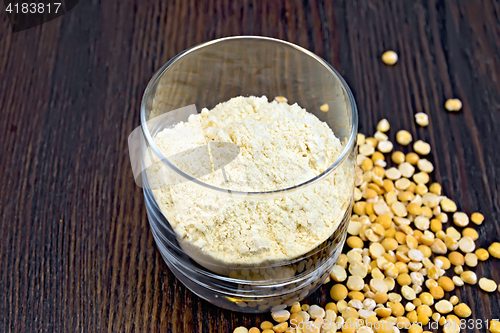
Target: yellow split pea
(422,119)
(403,137)
(453,104)
(396,235)
(390,58)
(281,99)
(383,125)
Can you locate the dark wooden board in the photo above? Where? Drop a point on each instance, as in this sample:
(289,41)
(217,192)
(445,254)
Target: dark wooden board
(76,253)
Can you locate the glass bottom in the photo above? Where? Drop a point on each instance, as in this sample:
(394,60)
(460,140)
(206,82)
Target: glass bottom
(241,295)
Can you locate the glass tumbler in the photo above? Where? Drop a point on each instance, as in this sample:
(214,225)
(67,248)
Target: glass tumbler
(215,72)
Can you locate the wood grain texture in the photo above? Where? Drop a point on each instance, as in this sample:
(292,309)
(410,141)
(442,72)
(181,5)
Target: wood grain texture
(76,253)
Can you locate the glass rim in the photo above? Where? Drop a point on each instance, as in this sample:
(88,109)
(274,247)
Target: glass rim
(345,152)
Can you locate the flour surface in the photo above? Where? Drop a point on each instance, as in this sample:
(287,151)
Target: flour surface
(280,146)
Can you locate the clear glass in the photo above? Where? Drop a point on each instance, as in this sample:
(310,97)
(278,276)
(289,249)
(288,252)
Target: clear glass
(215,72)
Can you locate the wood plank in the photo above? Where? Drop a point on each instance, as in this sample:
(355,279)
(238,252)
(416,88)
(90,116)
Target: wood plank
(76,251)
